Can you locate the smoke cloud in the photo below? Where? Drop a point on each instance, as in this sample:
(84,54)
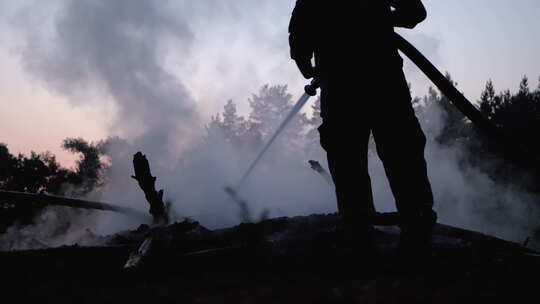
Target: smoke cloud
(115,50)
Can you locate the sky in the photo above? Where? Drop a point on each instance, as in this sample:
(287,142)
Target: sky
(228,50)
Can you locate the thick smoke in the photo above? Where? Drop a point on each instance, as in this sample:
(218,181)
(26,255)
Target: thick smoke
(467,196)
(167,67)
(53,227)
(116,49)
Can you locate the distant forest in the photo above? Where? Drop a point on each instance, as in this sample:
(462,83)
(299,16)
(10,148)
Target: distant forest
(517,113)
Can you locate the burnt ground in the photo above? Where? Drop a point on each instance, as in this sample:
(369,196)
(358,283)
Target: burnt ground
(287,260)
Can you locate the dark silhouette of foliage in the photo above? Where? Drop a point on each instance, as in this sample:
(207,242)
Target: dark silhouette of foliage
(88,173)
(40,172)
(518,114)
(34,173)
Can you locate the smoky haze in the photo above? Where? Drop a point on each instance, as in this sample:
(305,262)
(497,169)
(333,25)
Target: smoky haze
(166,67)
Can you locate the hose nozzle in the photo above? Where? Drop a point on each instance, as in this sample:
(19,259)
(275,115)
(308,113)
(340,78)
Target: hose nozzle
(311,89)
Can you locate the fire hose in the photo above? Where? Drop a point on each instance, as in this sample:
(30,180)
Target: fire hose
(448,89)
(40,199)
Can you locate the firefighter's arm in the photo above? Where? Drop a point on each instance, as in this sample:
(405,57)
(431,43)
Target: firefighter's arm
(407,13)
(301,38)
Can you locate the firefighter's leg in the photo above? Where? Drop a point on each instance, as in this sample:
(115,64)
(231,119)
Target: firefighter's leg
(400,144)
(346,149)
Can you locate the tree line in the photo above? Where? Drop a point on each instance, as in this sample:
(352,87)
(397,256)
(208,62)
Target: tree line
(517,113)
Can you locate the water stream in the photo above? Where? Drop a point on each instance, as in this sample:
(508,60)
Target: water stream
(297,107)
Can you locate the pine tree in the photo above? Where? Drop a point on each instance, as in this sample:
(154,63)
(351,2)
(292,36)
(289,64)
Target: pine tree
(487,100)
(524,86)
(269,108)
(214,130)
(233,125)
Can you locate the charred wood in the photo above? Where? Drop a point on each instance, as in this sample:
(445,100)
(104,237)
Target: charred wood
(147,183)
(315,165)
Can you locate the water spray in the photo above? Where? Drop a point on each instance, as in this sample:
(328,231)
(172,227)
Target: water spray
(310,90)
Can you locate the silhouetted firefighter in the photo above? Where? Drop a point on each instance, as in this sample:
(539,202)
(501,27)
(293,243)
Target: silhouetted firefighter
(364,91)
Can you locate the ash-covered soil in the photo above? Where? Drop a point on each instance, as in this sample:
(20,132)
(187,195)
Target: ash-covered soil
(285,260)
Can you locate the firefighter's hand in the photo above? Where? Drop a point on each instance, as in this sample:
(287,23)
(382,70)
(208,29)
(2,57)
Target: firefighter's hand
(306,68)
